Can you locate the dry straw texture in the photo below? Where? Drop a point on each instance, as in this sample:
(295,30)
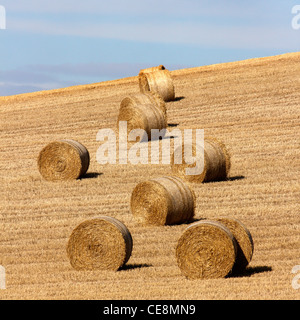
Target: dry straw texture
(63,160)
(158,81)
(144,98)
(216,162)
(206,249)
(142,116)
(163,201)
(245,245)
(37,218)
(148,70)
(102,243)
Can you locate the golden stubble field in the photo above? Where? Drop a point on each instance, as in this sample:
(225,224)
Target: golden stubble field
(253,106)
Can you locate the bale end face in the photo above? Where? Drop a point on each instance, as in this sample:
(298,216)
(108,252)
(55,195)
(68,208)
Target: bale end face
(63,160)
(102,243)
(150,203)
(206,250)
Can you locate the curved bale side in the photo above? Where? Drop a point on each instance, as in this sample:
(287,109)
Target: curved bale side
(142,116)
(245,244)
(217,162)
(144,98)
(158,81)
(163,201)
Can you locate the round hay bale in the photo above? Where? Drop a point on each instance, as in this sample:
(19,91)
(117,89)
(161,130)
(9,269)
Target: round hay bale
(102,243)
(245,245)
(205,250)
(163,201)
(144,98)
(216,162)
(158,81)
(152,69)
(142,116)
(63,160)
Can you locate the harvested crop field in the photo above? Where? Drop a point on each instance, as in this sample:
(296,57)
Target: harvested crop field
(253,106)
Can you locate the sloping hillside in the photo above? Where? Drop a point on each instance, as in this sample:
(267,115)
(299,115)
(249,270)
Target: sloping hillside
(253,106)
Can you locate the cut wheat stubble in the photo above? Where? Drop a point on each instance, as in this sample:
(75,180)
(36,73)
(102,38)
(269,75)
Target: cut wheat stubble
(162,201)
(217,162)
(159,81)
(206,250)
(63,160)
(142,116)
(266,86)
(101,243)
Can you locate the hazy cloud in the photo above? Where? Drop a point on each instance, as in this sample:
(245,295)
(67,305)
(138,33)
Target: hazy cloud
(8,89)
(192,33)
(198,27)
(143,8)
(100,70)
(25,80)
(45,77)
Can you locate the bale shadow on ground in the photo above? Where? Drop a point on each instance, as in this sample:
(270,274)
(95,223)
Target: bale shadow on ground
(135,266)
(250,271)
(91,175)
(193,220)
(236,178)
(179,98)
(145,139)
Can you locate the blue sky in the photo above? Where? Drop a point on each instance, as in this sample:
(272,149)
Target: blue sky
(59,43)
